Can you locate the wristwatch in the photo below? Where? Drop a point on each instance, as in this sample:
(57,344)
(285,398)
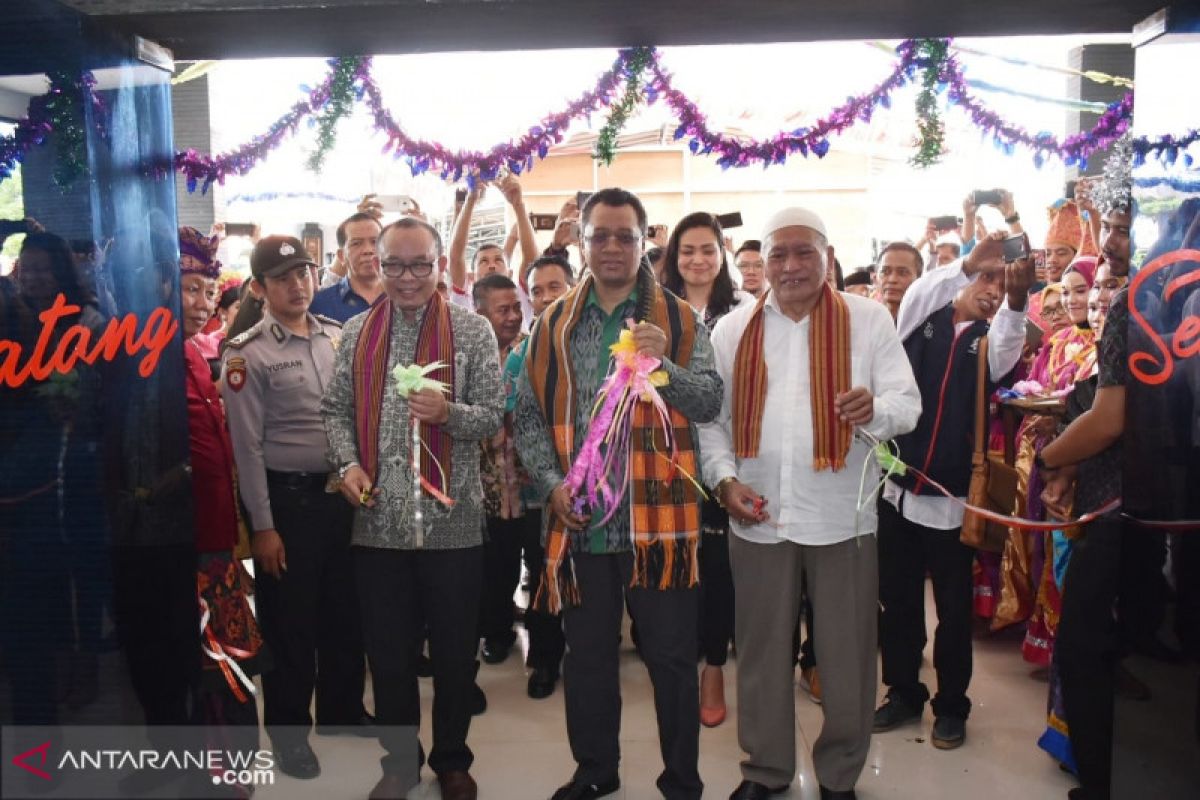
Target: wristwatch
(1042,465)
(721,485)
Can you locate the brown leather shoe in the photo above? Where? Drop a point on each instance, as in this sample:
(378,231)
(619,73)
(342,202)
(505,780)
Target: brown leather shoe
(391,786)
(457,785)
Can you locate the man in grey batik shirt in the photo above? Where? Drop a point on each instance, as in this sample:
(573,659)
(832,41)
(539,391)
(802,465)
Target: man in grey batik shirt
(419,562)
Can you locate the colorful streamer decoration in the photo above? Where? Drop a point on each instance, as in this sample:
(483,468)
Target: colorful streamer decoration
(415,378)
(637,74)
(599,476)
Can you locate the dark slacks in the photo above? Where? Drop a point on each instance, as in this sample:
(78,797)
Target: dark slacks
(157,621)
(906,552)
(404,594)
(666,623)
(510,541)
(716,598)
(1086,651)
(309,616)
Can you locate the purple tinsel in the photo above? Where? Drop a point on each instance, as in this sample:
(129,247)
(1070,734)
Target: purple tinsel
(201,170)
(741,152)
(1072,150)
(517,155)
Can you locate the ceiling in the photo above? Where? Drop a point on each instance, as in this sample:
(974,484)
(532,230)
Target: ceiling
(209,29)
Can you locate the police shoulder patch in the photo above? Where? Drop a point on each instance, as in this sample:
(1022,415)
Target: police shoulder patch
(239,341)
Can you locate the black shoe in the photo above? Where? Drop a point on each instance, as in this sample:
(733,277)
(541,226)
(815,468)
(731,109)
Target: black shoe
(299,761)
(749,790)
(541,683)
(363,726)
(894,713)
(586,791)
(834,794)
(495,652)
(949,732)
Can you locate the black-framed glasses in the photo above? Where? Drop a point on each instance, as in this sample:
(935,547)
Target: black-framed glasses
(626,239)
(394,269)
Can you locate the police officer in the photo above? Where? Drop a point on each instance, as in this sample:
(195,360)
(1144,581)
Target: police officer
(274,376)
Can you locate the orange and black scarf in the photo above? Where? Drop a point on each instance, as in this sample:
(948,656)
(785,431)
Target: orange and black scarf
(664,506)
(829,374)
(370,376)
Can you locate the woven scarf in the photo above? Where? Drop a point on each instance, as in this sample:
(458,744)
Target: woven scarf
(370,375)
(663,504)
(829,375)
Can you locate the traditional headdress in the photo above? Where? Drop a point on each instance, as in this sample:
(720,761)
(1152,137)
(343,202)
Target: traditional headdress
(1113,191)
(198,253)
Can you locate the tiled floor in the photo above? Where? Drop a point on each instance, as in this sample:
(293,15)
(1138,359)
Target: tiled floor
(521,750)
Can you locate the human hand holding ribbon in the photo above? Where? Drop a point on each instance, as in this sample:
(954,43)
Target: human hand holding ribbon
(414,380)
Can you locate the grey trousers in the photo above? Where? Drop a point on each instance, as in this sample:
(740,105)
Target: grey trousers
(843,582)
(666,623)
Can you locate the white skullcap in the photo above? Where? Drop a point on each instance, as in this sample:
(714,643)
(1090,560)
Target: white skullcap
(950,238)
(795,215)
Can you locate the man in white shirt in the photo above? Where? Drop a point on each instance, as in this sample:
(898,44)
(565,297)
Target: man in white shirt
(942,319)
(793,498)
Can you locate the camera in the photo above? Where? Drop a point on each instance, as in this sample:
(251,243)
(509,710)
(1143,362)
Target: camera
(543,222)
(946,223)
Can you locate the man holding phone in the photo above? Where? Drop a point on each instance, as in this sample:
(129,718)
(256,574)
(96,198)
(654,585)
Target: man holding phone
(490,258)
(942,321)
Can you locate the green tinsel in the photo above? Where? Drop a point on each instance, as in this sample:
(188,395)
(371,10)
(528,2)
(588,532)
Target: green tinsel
(606,141)
(341,102)
(932,131)
(64,106)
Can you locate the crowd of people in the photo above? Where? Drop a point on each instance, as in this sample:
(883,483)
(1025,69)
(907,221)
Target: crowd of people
(393,436)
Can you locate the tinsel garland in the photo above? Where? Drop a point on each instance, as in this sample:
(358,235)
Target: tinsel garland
(1167,149)
(635,63)
(516,156)
(59,112)
(619,89)
(343,92)
(205,170)
(742,152)
(934,58)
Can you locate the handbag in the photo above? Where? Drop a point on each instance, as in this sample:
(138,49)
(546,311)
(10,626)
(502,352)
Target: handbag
(993,480)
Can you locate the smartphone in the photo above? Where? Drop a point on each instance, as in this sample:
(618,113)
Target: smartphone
(986,197)
(239,228)
(460,195)
(543,222)
(728,221)
(653,230)
(1033,335)
(399,203)
(581,199)
(1069,191)
(1038,256)
(946,223)
(1016,248)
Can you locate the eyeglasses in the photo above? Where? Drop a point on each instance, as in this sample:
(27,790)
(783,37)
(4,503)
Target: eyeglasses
(394,269)
(1053,311)
(626,239)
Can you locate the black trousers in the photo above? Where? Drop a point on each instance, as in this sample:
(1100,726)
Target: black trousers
(906,552)
(1088,647)
(157,622)
(666,623)
(403,594)
(510,540)
(309,616)
(716,598)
